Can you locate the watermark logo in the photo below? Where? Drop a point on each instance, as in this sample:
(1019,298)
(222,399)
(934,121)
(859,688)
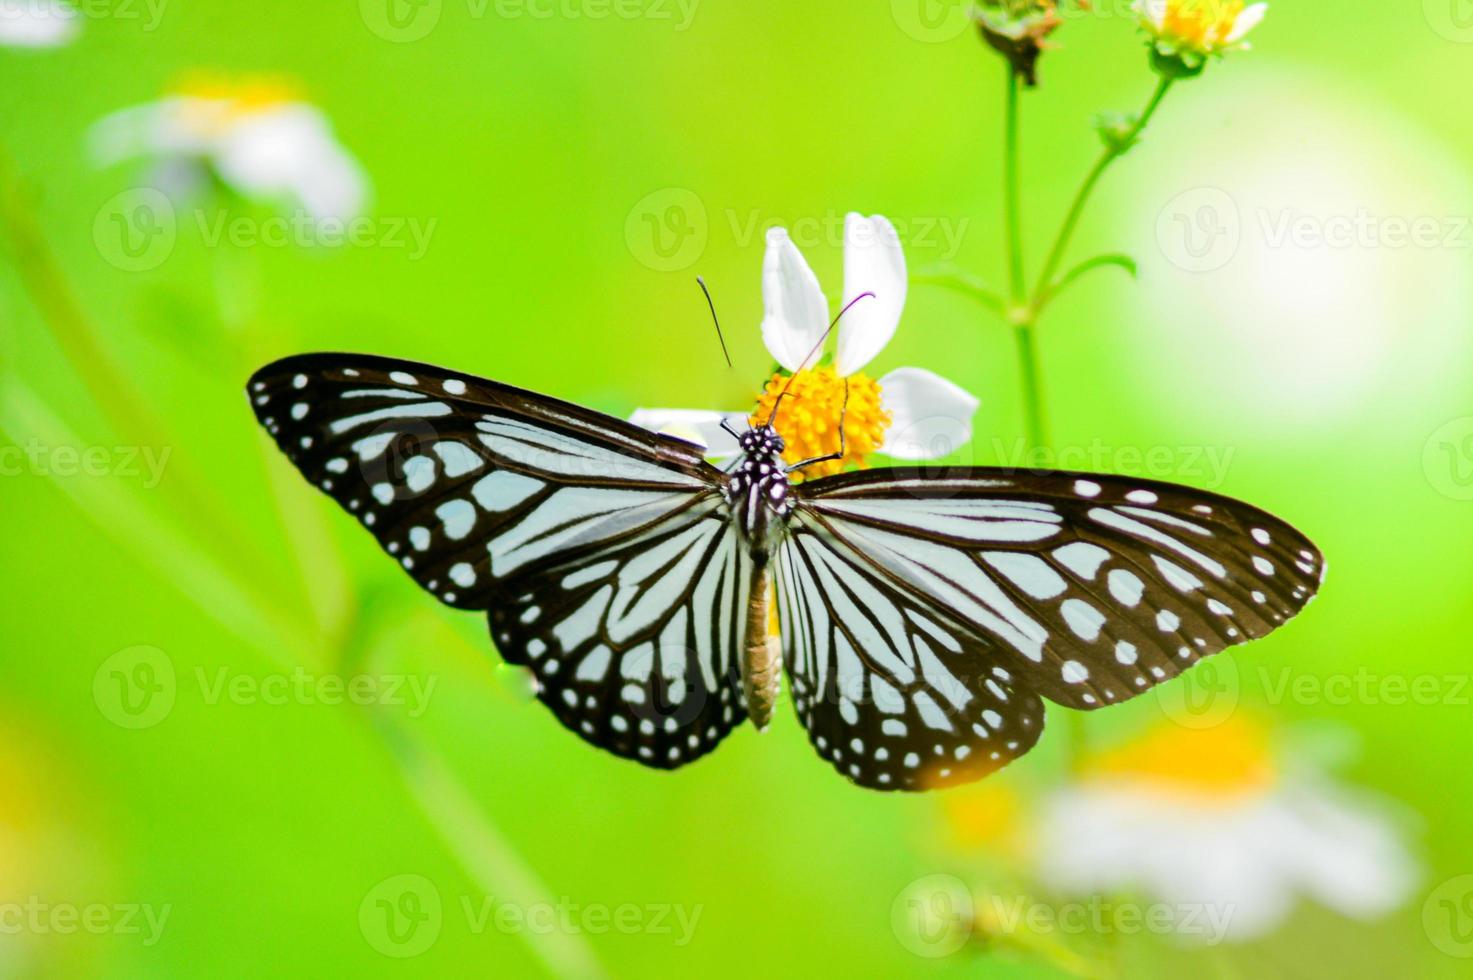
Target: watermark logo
(932,21)
(401,916)
(667,230)
(39,917)
(135,230)
(1200,230)
(1203,697)
(412,692)
(36,458)
(933,916)
(1447,459)
(1451,19)
(1447,917)
(135,688)
(400,21)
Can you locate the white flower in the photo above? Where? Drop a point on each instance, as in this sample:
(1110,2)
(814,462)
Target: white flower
(37,23)
(259,141)
(1199,27)
(909,414)
(1203,822)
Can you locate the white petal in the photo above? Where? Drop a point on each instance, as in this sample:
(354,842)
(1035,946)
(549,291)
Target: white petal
(796,312)
(174,127)
(1154,11)
(37,23)
(291,151)
(1246,21)
(694,425)
(929,416)
(873,262)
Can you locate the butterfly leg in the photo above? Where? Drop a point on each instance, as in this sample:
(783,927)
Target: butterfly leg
(831,456)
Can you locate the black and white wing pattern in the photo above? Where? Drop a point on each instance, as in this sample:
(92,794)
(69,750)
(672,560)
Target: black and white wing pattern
(1086,589)
(603,552)
(893,691)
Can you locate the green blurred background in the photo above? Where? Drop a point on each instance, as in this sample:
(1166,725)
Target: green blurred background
(1334,379)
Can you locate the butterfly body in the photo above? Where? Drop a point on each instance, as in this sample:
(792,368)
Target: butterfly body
(920,616)
(758,492)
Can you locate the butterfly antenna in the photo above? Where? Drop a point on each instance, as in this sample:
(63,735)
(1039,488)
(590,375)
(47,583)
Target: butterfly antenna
(725,423)
(712,304)
(802,365)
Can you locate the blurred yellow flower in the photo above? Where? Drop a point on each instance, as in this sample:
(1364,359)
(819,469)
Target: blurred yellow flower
(1193,29)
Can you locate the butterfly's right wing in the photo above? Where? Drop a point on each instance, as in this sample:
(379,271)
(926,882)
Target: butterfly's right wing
(891,692)
(602,552)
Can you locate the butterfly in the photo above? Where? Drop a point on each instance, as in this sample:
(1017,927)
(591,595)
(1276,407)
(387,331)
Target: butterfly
(921,616)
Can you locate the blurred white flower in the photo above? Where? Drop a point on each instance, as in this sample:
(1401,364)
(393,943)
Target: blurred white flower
(910,413)
(255,137)
(37,23)
(1199,27)
(1205,820)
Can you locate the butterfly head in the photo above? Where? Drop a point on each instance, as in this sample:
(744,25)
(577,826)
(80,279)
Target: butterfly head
(762,441)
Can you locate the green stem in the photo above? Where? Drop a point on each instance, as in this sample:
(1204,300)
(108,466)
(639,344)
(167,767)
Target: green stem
(1033,416)
(129,415)
(1012,210)
(1025,309)
(1076,209)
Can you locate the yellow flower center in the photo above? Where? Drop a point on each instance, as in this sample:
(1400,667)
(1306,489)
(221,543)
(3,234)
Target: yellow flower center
(1204,24)
(223,101)
(808,418)
(1226,761)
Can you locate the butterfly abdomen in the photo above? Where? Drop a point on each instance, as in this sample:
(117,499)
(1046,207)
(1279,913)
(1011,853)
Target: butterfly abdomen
(762,659)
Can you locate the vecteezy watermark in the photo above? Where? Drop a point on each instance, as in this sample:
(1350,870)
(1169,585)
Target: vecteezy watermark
(1202,230)
(1451,19)
(933,916)
(1209,693)
(137,230)
(37,458)
(403,916)
(1447,459)
(302,230)
(1204,922)
(135,687)
(676,920)
(1363,229)
(36,916)
(1364,686)
(147,13)
(668,229)
(1447,916)
(299,686)
(932,21)
(138,687)
(937,915)
(1205,466)
(1203,697)
(402,21)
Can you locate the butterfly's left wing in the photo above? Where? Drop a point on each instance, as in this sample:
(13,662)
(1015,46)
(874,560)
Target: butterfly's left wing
(602,553)
(993,587)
